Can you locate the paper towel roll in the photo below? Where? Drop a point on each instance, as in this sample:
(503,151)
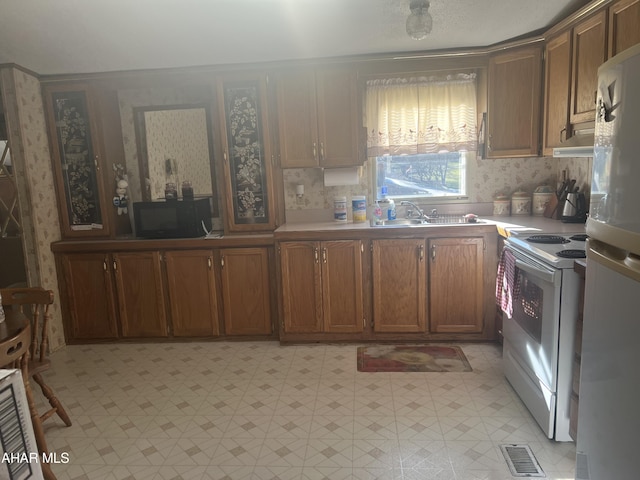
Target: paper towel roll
(341,176)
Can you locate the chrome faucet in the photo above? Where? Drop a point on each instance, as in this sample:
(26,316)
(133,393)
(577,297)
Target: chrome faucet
(418,210)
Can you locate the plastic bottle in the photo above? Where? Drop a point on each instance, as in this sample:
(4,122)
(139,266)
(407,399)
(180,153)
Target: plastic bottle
(391,213)
(377,213)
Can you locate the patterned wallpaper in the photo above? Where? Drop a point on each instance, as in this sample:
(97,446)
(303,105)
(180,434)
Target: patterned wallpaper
(180,135)
(29,129)
(487,178)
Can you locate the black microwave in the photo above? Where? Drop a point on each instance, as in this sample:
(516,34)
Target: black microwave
(172,218)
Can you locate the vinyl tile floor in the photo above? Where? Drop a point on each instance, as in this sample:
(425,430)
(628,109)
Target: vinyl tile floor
(259,410)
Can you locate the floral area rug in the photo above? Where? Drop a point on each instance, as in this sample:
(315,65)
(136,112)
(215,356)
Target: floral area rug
(412,358)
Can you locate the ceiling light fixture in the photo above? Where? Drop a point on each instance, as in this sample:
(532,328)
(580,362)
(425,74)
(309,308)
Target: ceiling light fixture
(419,21)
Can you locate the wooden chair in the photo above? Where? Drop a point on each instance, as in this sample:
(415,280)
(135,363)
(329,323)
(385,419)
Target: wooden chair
(34,302)
(14,353)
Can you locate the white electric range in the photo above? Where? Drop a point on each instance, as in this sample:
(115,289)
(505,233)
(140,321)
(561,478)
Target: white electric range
(538,347)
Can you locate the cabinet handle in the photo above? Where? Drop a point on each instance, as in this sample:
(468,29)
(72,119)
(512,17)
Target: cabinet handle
(314,150)
(562,139)
(433,253)
(221,261)
(224,155)
(95,162)
(104,265)
(209,262)
(315,254)
(322,151)
(421,252)
(324,255)
(115,265)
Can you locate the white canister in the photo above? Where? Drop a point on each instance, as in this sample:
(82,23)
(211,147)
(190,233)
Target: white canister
(340,209)
(359,204)
(540,202)
(521,203)
(501,206)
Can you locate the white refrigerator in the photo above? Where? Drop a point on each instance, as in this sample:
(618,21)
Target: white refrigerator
(609,410)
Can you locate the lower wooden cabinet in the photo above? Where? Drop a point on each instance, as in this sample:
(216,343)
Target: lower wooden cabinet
(245,291)
(88,291)
(322,286)
(456,285)
(140,289)
(166,293)
(192,293)
(399,286)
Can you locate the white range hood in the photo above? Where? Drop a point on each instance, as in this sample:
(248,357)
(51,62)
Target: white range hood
(579,145)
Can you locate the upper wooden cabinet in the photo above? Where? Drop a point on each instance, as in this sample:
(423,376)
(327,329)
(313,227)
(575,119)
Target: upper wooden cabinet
(247,156)
(513,112)
(624,25)
(589,52)
(318,118)
(557,85)
(77,160)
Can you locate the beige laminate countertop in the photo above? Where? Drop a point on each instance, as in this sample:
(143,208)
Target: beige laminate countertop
(506,226)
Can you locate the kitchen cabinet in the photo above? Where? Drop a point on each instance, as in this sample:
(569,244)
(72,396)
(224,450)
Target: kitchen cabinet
(191,286)
(399,285)
(140,289)
(101,289)
(513,110)
(322,286)
(76,152)
(557,85)
(318,118)
(245,291)
(87,292)
(589,52)
(247,156)
(624,25)
(456,285)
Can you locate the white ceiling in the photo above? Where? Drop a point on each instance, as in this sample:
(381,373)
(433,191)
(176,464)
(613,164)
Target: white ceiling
(77,36)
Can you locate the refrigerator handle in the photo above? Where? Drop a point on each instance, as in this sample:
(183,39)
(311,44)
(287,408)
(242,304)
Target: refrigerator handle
(626,264)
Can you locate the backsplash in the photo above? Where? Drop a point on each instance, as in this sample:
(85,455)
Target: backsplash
(487,178)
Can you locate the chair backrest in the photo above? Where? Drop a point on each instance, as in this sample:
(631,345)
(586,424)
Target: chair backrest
(34,302)
(12,350)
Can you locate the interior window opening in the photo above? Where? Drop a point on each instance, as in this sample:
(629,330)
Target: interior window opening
(421,133)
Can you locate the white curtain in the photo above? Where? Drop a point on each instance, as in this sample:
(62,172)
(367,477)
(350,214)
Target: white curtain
(421,115)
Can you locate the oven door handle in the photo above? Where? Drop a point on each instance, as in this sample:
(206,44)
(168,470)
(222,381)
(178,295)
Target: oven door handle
(536,269)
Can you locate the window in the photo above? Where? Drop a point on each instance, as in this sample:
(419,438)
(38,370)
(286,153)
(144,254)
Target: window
(422,175)
(420,134)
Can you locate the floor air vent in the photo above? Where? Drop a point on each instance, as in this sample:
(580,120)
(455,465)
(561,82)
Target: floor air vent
(521,461)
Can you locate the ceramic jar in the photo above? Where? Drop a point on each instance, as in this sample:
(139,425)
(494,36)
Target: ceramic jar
(520,203)
(501,206)
(541,198)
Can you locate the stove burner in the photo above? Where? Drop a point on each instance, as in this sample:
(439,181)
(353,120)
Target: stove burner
(549,239)
(570,253)
(580,237)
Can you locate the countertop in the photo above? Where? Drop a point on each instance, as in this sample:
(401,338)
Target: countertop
(506,226)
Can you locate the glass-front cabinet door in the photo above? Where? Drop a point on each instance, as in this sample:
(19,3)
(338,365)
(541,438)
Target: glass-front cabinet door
(76,161)
(246,154)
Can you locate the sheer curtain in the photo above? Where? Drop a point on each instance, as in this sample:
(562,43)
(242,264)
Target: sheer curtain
(421,115)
